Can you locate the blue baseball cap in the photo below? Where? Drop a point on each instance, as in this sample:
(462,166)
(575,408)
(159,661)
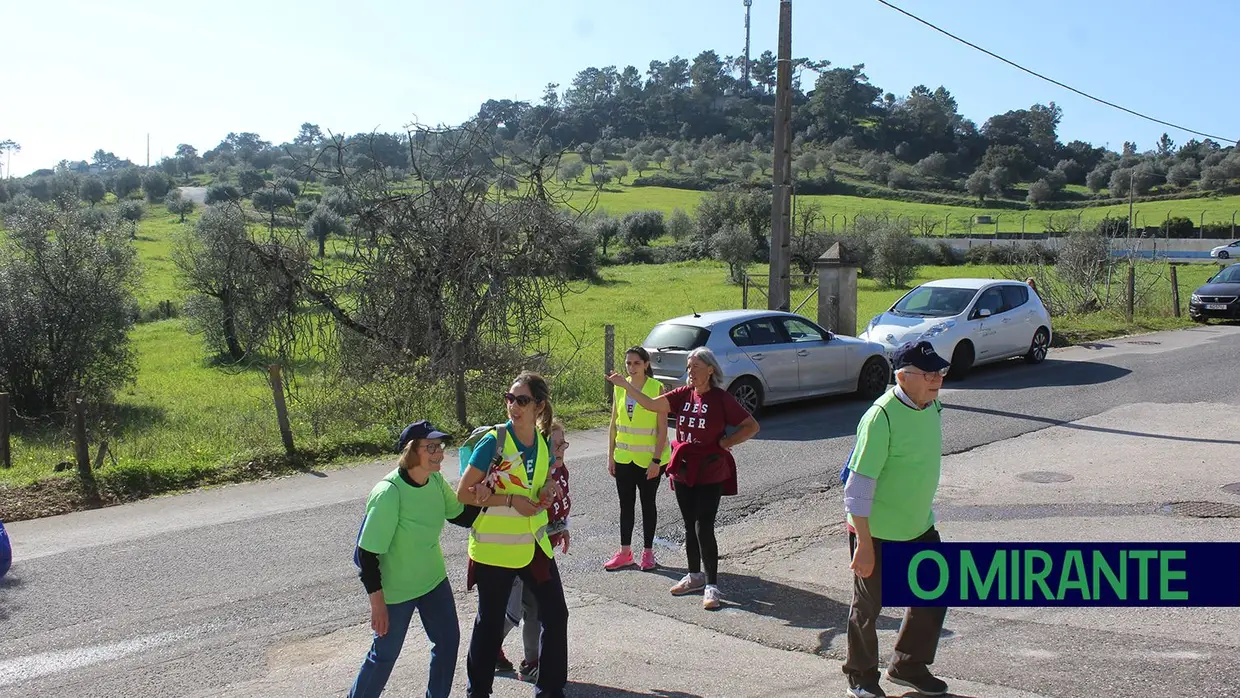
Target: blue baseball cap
(920,355)
(418,430)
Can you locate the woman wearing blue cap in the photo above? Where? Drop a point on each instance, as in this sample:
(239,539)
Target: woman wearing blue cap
(402,564)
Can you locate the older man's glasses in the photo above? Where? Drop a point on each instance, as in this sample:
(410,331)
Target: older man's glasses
(931,375)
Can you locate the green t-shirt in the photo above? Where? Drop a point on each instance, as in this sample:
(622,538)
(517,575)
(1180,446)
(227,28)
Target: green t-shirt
(402,527)
(902,451)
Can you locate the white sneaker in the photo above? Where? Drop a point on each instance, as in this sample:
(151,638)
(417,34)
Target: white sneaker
(689,584)
(710,599)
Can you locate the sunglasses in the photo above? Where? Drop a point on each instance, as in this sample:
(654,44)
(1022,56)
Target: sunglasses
(522,400)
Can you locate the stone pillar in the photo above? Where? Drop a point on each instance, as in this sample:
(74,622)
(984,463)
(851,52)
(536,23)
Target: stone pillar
(837,293)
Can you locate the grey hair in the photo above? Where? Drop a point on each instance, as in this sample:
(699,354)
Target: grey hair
(707,357)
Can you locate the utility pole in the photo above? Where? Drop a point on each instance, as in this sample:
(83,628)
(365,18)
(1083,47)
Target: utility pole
(148,150)
(778,289)
(748,3)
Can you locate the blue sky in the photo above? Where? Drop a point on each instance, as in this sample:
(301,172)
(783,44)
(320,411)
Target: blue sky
(86,75)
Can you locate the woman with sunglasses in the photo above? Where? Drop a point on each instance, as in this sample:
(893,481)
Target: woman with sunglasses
(639,452)
(702,468)
(509,539)
(402,566)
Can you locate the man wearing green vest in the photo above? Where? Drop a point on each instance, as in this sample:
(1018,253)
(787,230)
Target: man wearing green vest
(640,450)
(889,496)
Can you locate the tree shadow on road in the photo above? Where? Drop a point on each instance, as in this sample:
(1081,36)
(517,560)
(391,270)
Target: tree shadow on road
(1085,427)
(1051,373)
(10,582)
(796,607)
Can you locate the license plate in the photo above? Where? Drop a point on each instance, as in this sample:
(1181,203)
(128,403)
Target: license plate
(1216,306)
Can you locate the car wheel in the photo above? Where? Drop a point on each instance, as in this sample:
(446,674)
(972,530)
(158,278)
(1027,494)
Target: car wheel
(1201,319)
(874,377)
(1222,254)
(747,392)
(1039,346)
(962,360)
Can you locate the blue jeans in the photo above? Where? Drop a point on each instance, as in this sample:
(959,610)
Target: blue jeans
(438,611)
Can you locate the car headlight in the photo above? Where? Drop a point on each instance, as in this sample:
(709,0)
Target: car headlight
(1196,298)
(873,322)
(938,329)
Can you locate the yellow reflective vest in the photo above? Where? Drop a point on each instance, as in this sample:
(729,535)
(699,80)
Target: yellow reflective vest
(636,438)
(501,536)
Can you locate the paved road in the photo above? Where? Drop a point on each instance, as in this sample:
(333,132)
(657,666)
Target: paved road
(200,594)
(196,194)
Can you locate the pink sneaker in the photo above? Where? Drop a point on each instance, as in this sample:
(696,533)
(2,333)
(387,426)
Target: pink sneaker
(618,561)
(648,562)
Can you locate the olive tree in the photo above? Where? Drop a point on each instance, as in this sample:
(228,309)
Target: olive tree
(323,223)
(233,300)
(177,204)
(444,281)
(92,190)
(67,284)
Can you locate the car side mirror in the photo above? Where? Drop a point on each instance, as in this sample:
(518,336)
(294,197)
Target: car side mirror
(983,312)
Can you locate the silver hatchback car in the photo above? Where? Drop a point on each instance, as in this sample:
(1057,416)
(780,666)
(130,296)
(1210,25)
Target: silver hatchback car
(769,357)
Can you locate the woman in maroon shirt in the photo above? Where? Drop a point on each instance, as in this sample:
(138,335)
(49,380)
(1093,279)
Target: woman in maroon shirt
(702,469)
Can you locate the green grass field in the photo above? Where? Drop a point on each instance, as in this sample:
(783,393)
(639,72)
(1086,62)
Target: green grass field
(618,200)
(186,416)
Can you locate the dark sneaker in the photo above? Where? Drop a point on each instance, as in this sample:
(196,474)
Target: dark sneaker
(868,689)
(528,672)
(926,684)
(502,665)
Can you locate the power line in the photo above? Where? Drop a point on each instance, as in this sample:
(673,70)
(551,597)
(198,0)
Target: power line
(1056,82)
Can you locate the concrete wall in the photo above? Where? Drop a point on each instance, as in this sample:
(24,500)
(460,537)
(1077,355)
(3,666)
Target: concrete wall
(1161,247)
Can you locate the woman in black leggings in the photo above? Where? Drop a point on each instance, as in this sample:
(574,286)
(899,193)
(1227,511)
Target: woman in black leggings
(702,468)
(639,451)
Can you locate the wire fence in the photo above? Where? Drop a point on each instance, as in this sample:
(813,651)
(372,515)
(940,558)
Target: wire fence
(1174,222)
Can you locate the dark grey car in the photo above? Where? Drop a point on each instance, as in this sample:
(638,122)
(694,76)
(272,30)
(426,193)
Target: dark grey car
(1218,298)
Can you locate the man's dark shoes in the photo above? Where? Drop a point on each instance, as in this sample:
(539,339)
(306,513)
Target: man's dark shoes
(925,683)
(503,665)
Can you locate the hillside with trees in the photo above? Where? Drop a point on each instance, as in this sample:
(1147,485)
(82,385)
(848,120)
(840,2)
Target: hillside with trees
(697,124)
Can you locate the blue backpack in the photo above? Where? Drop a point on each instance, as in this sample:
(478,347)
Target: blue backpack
(357,560)
(466,450)
(6,552)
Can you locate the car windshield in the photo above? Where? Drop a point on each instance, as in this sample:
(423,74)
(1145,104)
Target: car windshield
(1230,275)
(670,337)
(934,301)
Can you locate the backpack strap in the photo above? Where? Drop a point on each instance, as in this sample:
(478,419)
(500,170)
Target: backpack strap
(501,437)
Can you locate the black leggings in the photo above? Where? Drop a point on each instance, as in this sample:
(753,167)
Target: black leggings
(699,505)
(630,479)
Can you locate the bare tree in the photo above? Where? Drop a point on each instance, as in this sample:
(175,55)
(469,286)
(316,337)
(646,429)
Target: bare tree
(233,300)
(443,281)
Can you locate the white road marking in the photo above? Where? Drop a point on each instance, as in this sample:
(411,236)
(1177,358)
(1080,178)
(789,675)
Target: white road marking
(33,666)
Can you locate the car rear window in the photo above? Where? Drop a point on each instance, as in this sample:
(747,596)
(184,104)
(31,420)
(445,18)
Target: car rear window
(671,336)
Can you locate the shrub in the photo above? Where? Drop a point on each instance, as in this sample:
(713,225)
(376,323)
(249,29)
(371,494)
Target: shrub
(155,185)
(222,193)
(66,304)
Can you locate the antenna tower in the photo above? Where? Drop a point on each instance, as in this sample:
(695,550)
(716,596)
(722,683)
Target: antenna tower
(748,3)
